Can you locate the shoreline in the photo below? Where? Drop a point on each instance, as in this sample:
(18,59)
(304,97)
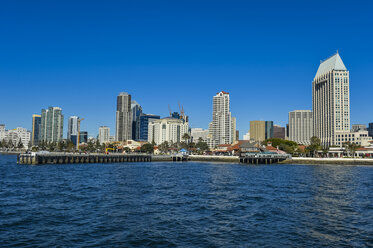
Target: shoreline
(333,161)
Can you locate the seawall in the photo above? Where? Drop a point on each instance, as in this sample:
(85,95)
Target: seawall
(340,161)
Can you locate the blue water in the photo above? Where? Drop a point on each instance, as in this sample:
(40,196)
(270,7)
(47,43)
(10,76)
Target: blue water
(185,204)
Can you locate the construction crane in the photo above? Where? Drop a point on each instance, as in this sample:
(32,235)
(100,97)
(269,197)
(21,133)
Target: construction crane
(169,109)
(78,135)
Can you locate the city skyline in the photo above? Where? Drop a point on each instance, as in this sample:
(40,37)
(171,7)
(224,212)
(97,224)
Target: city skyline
(248,55)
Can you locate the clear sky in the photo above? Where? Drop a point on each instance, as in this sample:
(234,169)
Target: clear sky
(78,55)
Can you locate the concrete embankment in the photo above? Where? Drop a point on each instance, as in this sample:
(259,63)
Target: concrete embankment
(340,161)
(232,159)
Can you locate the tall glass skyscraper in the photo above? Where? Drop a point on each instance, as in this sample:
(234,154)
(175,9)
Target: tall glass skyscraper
(51,127)
(136,113)
(144,125)
(35,134)
(72,127)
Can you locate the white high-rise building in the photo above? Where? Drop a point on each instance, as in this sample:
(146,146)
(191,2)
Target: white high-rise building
(103,134)
(331,101)
(221,128)
(123,129)
(72,126)
(167,129)
(246,136)
(301,126)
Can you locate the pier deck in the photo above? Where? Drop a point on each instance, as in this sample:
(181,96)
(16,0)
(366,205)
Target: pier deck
(71,158)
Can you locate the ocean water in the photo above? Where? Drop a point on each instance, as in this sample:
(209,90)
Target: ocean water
(185,204)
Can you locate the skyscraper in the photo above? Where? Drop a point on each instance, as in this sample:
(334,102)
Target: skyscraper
(278,132)
(167,129)
(136,113)
(51,127)
(103,134)
(370,129)
(123,129)
(220,129)
(72,127)
(331,101)
(301,126)
(261,130)
(35,134)
(144,125)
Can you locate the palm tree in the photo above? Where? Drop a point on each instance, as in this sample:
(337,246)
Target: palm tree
(186,137)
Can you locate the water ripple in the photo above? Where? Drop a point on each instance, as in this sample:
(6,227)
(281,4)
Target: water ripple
(185,205)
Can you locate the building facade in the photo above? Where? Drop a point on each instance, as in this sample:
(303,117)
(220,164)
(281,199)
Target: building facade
(83,137)
(261,130)
(331,101)
(123,130)
(301,126)
(221,128)
(199,133)
(17,136)
(279,132)
(136,114)
(167,129)
(72,126)
(103,134)
(2,132)
(144,125)
(35,133)
(51,127)
(370,129)
(358,127)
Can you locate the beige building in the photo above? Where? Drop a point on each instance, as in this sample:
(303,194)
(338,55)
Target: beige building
(301,126)
(257,130)
(331,101)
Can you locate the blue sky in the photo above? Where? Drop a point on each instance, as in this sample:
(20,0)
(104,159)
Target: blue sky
(79,55)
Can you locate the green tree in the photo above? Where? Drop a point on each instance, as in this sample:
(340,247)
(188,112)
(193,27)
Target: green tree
(325,151)
(186,137)
(202,146)
(314,146)
(164,147)
(350,148)
(147,148)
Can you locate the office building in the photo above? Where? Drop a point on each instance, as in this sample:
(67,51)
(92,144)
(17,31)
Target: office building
(83,138)
(144,125)
(51,127)
(279,132)
(331,101)
(358,127)
(261,130)
(370,129)
(35,133)
(167,129)
(72,126)
(234,133)
(301,126)
(123,128)
(220,129)
(103,134)
(136,113)
(199,133)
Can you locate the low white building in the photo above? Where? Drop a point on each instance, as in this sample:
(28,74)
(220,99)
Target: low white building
(167,129)
(197,133)
(360,137)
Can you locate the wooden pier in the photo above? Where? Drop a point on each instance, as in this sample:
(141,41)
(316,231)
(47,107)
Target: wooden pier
(71,158)
(262,158)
